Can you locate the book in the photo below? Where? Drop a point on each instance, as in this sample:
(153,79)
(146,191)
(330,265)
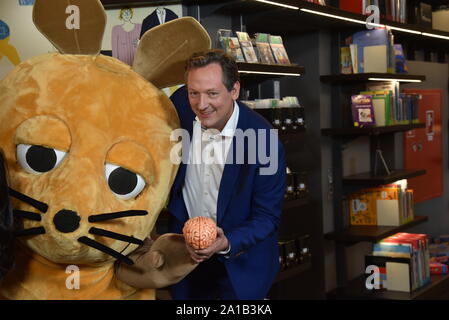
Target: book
(401,65)
(375,59)
(233,49)
(345,60)
(354,59)
(382,106)
(247,47)
(362,111)
(264,50)
(362,209)
(352,6)
(223,36)
(375,37)
(278,49)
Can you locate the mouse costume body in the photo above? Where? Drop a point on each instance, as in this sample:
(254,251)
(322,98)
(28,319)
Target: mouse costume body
(87,146)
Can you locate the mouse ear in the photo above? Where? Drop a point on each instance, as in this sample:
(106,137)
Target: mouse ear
(164,50)
(73,26)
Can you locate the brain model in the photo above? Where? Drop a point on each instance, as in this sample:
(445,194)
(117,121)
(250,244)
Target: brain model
(200,232)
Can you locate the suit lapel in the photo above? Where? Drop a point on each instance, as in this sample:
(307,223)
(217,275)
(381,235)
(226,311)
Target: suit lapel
(231,170)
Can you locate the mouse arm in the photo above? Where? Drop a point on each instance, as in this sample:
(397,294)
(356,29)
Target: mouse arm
(158,263)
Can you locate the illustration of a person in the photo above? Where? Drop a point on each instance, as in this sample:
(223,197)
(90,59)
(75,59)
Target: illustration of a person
(6,49)
(125,37)
(158,16)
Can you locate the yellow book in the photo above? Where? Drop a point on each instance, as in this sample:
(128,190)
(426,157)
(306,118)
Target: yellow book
(362,209)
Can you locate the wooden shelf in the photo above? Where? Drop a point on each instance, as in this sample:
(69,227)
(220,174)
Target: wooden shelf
(289,204)
(369,180)
(259,72)
(437,289)
(293,271)
(371,233)
(354,131)
(363,77)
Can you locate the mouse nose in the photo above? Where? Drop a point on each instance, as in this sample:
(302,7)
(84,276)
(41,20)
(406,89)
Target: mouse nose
(66,221)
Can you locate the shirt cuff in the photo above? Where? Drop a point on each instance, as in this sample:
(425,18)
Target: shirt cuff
(225,251)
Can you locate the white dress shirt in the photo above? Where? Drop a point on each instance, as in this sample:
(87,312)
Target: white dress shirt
(207,158)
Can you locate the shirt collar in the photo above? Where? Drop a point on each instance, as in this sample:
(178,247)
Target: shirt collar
(231,125)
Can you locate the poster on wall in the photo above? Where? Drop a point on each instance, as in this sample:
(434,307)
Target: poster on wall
(26,2)
(423,148)
(7,50)
(126,25)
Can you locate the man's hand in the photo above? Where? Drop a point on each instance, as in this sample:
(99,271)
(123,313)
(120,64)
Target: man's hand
(221,243)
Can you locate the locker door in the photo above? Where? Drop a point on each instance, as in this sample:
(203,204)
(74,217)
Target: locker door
(423,148)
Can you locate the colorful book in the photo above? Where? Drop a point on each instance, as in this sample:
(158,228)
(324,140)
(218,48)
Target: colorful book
(263,48)
(278,49)
(247,47)
(363,111)
(382,106)
(345,60)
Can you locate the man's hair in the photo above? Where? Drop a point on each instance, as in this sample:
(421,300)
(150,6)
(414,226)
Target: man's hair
(227,63)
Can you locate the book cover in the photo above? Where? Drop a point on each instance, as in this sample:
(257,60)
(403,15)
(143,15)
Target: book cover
(375,37)
(234,49)
(223,36)
(345,60)
(247,47)
(362,111)
(278,49)
(355,6)
(382,106)
(362,209)
(264,49)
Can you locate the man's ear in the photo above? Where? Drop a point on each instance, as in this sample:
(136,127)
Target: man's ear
(235,90)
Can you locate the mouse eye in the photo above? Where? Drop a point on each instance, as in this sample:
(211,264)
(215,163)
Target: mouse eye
(123,183)
(37,159)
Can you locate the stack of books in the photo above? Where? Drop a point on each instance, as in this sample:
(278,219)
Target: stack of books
(388,205)
(370,51)
(393,10)
(264,48)
(383,105)
(403,261)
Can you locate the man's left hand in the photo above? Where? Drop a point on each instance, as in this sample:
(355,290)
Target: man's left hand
(221,243)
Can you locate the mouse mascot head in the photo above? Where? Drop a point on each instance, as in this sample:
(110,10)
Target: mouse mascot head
(87,146)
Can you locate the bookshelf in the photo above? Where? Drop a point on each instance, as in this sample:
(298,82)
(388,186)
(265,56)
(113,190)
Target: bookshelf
(300,28)
(272,18)
(369,179)
(437,289)
(254,73)
(370,130)
(365,77)
(354,234)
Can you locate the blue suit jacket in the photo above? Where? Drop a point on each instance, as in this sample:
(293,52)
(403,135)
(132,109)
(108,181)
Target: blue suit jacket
(248,210)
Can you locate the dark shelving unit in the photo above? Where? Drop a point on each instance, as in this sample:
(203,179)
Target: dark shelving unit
(364,77)
(371,233)
(290,204)
(254,73)
(437,289)
(356,131)
(292,271)
(369,179)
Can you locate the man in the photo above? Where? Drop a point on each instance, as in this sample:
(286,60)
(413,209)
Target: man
(245,203)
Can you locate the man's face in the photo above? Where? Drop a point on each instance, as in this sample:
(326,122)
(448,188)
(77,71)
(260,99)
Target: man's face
(212,103)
